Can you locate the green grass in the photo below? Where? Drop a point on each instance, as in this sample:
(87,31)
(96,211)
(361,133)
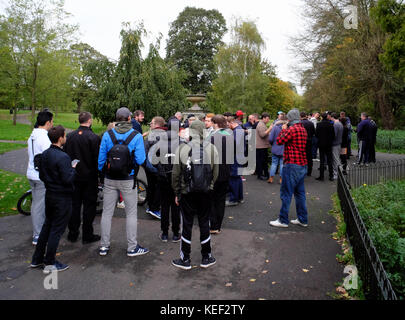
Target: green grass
(12,187)
(382,208)
(8,131)
(387,141)
(71,121)
(6,147)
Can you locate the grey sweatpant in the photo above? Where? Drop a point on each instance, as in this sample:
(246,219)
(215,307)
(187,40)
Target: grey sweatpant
(37,206)
(130,196)
(336,159)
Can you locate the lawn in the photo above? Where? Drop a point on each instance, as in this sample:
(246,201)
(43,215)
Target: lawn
(382,208)
(6,147)
(8,131)
(12,187)
(387,141)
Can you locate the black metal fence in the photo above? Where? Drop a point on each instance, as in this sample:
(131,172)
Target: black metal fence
(375,173)
(376,284)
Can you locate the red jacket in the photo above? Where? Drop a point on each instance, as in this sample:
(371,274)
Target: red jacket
(294,140)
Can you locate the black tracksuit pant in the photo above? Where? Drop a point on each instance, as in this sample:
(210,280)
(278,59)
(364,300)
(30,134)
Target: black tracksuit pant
(262,163)
(168,204)
(326,153)
(85,194)
(58,209)
(153,194)
(218,204)
(309,157)
(195,204)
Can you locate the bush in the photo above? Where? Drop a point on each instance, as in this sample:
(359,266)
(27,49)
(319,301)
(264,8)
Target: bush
(382,208)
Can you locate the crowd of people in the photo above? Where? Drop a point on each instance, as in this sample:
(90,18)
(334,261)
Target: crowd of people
(194,167)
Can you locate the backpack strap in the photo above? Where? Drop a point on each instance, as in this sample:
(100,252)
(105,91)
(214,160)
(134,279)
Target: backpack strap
(113,137)
(131,137)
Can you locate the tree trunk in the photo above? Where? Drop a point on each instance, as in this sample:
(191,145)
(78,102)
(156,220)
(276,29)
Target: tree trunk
(14,115)
(385,111)
(33,93)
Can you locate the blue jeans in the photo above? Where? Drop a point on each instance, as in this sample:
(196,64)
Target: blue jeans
(276,160)
(293,184)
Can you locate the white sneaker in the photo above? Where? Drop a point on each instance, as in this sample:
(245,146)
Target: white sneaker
(121,205)
(298,223)
(278,224)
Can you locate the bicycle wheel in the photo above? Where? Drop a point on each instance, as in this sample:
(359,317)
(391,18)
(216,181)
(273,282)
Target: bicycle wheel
(100,199)
(24,203)
(142,192)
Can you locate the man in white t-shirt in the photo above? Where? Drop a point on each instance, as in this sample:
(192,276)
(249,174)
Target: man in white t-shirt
(38,142)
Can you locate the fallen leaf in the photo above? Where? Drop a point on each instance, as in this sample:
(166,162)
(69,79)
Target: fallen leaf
(259,211)
(229,284)
(271,202)
(250,223)
(340,290)
(58,254)
(262,299)
(323,222)
(267,261)
(265,271)
(260,238)
(305,270)
(131,284)
(14,209)
(230,218)
(273,283)
(252,280)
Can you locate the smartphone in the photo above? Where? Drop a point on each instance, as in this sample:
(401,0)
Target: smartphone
(75,162)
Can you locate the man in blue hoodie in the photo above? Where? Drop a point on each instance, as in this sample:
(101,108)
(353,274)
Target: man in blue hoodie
(124,134)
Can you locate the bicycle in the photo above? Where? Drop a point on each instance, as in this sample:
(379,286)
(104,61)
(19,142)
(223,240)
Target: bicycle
(24,203)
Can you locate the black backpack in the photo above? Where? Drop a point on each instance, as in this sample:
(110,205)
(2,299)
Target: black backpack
(120,161)
(198,176)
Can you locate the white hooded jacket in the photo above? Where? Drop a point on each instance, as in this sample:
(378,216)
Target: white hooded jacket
(38,142)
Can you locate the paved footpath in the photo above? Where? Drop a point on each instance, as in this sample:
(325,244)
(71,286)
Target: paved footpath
(254,260)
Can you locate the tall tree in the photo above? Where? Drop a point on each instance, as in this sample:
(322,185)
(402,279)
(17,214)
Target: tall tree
(35,28)
(243,75)
(194,39)
(341,66)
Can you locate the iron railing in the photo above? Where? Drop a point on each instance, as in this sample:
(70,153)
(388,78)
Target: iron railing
(380,172)
(376,285)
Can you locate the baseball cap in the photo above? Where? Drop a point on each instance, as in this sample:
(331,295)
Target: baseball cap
(123,113)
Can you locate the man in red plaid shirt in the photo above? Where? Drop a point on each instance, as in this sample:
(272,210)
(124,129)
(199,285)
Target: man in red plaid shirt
(294,138)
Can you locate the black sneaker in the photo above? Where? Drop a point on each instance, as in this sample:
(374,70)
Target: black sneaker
(208,262)
(176,238)
(164,237)
(182,264)
(72,237)
(94,238)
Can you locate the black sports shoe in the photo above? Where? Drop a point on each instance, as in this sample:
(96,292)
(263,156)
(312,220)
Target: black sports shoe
(164,237)
(208,262)
(94,238)
(182,264)
(72,237)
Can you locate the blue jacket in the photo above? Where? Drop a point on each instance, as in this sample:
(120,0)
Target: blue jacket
(275,132)
(137,126)
(136,144)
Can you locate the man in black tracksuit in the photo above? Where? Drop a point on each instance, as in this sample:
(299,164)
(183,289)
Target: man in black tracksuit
(58,175)
(84,145)
(223,140)
(325,133)
(310,128)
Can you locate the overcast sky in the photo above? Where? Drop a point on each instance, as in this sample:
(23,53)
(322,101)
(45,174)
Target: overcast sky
(100,22)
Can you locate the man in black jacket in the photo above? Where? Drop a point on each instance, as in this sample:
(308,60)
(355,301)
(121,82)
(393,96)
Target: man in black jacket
(83,145)
(325,133)
(58,174)
(310,128)
(222,139)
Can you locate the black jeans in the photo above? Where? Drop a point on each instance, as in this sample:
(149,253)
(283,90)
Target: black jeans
(326,153)
(218,204)
(85,194)
(309,157)
(262,163)
(58,210)
(168,204)
(153,194)
(195,204)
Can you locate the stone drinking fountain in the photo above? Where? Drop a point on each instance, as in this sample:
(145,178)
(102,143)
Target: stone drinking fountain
(196,110)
